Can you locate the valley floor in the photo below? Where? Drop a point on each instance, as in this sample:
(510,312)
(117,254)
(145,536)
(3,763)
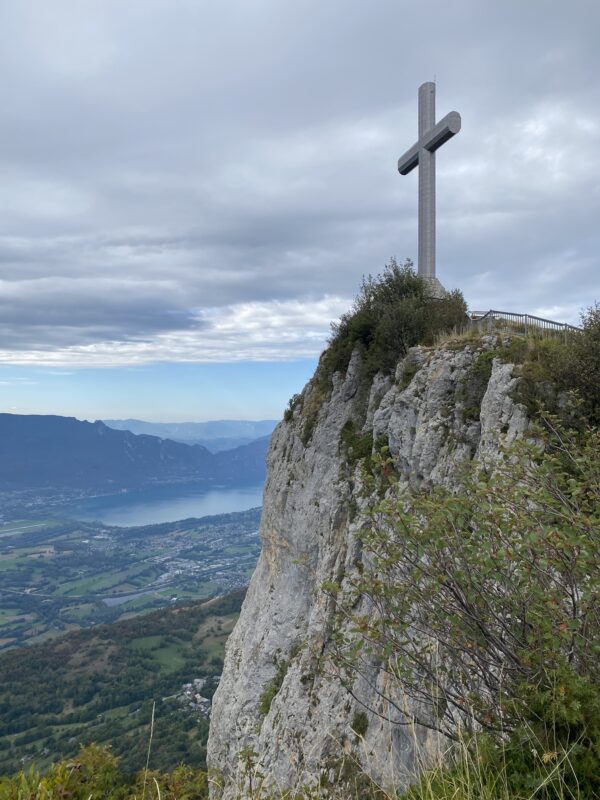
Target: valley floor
(59,575)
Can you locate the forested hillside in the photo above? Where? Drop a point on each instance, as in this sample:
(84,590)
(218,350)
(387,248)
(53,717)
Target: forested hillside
(99,685)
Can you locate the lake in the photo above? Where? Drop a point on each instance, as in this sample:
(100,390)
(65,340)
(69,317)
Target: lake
(164,504)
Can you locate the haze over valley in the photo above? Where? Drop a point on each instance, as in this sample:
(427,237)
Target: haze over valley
(215,435)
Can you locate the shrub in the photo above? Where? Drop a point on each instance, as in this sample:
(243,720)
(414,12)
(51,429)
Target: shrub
(95,773)
(472,389)
(567,364)
(272,688)
(288,414)
(360,723)
(482,604)
(358,445)
(578,365)
(523,768)
(392,312)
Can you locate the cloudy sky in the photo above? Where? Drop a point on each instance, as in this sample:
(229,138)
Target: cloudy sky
(190,191)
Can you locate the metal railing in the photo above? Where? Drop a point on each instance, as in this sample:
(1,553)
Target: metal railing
(524,324)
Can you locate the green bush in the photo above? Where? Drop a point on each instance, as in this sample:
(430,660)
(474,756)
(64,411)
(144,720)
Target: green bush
(472,389)
(288,414)
(272,688)
(577,366)
(409,370)
(563,719)
(550,365)
(360,723)
(534,763)
(358,445)
(392,312)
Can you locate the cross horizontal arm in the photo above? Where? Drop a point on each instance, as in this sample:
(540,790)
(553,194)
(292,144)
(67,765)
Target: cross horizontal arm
(446,128)
(409,160)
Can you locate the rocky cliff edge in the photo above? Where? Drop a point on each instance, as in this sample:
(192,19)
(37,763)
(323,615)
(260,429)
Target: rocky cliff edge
(279,702)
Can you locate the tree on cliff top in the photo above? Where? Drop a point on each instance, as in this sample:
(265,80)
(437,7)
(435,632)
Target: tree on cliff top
(392,312)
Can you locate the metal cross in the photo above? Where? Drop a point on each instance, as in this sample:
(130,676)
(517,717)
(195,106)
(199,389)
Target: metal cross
(431,136)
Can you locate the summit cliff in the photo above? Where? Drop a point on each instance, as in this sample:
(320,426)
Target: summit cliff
(278,695)
(436,408)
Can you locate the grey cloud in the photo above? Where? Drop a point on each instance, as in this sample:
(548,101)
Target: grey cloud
(163,159)
(59,312)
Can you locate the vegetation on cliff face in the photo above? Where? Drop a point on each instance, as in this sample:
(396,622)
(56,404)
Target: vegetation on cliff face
(549,367)
(513,556)
(483,604)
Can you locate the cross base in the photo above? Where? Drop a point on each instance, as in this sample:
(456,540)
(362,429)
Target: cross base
(434,287)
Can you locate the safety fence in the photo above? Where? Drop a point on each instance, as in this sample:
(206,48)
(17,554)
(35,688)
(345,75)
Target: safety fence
(524,324)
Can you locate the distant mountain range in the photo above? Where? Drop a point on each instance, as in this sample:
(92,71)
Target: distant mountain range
(216,435)
(40,452)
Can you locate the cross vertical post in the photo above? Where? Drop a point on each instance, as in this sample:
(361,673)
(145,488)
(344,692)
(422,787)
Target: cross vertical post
(422,154)
(426,259)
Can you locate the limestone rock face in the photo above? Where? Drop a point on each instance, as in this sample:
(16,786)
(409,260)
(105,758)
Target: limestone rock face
(278,696)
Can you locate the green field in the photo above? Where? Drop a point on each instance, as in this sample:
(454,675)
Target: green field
(57,575)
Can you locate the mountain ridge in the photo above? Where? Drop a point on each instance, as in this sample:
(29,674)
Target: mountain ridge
(42,451)
(215,435)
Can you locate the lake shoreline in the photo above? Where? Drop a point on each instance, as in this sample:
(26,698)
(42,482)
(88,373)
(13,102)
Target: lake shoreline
(168,503)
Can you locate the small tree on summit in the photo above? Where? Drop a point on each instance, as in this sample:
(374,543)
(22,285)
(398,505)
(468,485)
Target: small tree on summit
(391,313)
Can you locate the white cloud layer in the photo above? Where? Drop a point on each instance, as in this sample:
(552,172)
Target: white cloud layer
(281,330)
(184,181)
